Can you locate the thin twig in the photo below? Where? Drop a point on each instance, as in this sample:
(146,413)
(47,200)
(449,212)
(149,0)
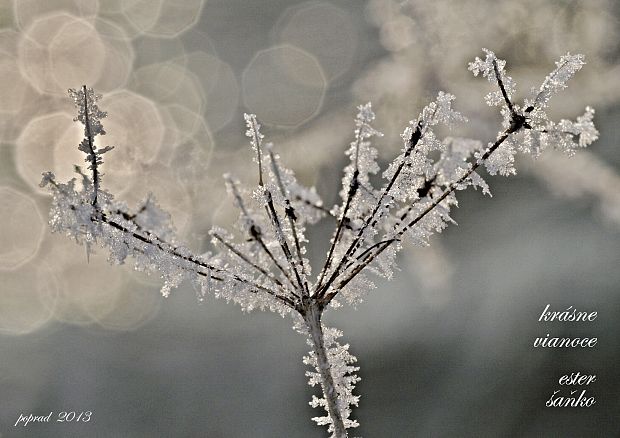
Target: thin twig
(498,76)
(422,193)
(169,249)
(416,135)
(91,147)
(269,207)
(368,258)
(289,210)
(173,251)
(281,237)
(255,231)
(209,274)
(259,268)
(353,187)
(336,239)
(257,143)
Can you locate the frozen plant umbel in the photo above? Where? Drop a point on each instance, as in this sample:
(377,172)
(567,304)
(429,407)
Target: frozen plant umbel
(263,265)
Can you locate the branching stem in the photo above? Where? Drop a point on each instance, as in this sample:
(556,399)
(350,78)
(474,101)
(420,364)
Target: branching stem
(270,208)
(416,135)
(256,233)
(364,260)
(259,268)
(173,251)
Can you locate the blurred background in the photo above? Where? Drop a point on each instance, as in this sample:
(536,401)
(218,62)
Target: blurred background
(445,349)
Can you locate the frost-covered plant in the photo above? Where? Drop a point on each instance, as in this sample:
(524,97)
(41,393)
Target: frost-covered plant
(264,265)
(432,31)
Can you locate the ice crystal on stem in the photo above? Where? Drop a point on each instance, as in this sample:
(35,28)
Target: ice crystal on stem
(556,81)
(343,374)
(263,264)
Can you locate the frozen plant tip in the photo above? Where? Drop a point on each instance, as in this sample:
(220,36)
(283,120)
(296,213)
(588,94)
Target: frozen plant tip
(262,263)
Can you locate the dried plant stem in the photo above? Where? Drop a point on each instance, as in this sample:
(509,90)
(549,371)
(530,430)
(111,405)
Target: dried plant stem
(91,147)
(267,269)
(518,121)
(353,187)
(243,257)
(343,217)
(312,318)
(271,210)
(416,135)
(289,211)
(198,264)
(367,257)
(256,234)
(500,83)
